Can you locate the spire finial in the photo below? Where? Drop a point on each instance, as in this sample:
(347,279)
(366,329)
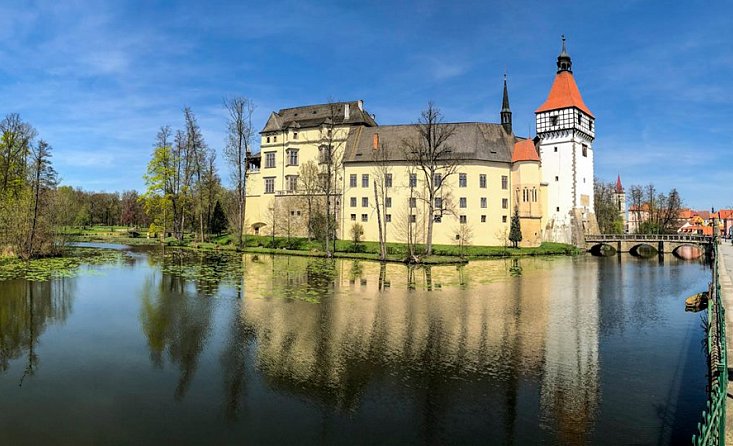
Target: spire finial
(563,60)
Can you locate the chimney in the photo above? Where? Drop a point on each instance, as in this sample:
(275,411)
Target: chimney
(375,141)
(346,112)
(360,104)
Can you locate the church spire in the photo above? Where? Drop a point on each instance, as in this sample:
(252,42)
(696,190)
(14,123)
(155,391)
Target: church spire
(506,112)
(563,60)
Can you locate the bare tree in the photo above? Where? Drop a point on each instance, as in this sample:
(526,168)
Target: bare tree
(382,173)
(197,152)
(309,183)
(238,152)
(330,155)
(432,155)
(44,178)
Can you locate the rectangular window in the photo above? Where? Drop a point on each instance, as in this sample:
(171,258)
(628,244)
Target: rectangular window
(483,219)
(437,218)
(352,180)
(353,217)
(553,120)
(268,139)
(270,159)
(557,178)
(462,180)
(388,202)
(413,218)
(463,219)
(413,180)
(585,150)
(555,149)
(274,138)
(365,180)
(437,179)
(413,202)
(483,202)
(295,135)
(438,203)
(352,202)
(504,182)
(364,217)
(292,182)
(503,218)
(387,218)
(388,180)
(293,157)
(505,203)
(462,202)
(270,185)
(482,181)
(365,202)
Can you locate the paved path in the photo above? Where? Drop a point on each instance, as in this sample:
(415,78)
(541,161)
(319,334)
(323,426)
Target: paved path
(725,265)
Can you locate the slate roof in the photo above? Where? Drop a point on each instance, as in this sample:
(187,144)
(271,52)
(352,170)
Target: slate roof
(470,141)
(316,115)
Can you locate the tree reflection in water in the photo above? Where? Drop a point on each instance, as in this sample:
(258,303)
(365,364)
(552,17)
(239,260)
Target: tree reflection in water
(26,309)
(176,321)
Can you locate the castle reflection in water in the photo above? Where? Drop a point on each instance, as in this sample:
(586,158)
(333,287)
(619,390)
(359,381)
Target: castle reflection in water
(438,327)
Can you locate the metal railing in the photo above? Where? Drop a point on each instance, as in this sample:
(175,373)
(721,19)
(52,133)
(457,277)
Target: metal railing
(650,237)
(711,430)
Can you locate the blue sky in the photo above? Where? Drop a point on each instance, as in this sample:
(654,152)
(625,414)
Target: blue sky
(97,79)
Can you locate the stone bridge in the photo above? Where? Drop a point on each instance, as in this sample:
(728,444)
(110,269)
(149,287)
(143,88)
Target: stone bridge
(683,246)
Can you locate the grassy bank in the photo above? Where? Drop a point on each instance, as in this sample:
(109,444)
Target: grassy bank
(396,252)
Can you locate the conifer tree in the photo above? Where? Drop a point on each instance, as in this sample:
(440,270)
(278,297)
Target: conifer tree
(515,231)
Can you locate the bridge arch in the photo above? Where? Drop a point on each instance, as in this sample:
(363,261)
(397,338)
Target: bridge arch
(602,250)
(643,250)
(688,252)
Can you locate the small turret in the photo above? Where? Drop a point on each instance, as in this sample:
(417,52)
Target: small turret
(563,60)
(506,112)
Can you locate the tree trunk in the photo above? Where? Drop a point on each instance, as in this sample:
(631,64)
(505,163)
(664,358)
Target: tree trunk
(382,250)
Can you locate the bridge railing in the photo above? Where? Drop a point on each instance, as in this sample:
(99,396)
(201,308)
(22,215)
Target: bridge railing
(649,237)
(711,430)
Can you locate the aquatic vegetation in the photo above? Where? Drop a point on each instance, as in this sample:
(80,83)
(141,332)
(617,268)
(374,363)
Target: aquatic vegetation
(42,269)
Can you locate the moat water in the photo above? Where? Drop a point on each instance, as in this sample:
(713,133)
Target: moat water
(187,348)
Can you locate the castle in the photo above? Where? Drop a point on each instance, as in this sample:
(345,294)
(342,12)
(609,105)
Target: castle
(493,173)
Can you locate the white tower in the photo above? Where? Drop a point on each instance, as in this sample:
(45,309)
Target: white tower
(566,128)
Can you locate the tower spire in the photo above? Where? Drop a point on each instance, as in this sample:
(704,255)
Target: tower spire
(506,112)
(563,60)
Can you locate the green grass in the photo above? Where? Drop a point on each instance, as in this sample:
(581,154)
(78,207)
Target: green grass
(396,252)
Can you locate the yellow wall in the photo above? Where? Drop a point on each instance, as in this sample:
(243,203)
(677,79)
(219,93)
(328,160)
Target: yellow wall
(290,209)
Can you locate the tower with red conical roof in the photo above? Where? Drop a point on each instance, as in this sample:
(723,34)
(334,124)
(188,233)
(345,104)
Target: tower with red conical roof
(566,129)
(619,196)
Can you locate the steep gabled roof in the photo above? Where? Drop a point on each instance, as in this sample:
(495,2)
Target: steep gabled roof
(564,94)
(316,115)
(470,141)
(525,151)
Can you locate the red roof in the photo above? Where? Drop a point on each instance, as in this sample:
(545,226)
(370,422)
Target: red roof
(525,151)
(698,229)
(726,213)
(619,187)
(563,94)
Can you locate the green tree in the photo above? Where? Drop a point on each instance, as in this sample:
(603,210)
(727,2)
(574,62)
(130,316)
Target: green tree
(218,219)
(606,208)
(515,230)
(159,180)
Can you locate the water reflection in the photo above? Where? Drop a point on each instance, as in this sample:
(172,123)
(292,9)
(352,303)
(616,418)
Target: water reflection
(501,328)
(26,310)
(175,321)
